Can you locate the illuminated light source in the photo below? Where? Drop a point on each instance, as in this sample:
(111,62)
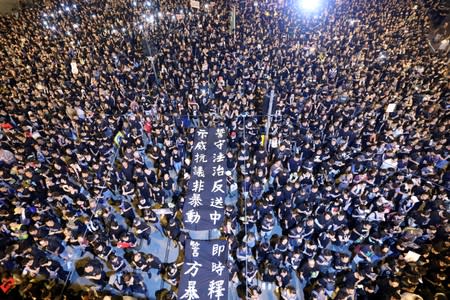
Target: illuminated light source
(255,3)
(53,28)
(206,6)
(141,27)
(60,11)
(309,5)
(67,8)
(123,29)
(134,3)
(75,26)
(160,15)
(74,6)
(150,18)
(147,3)
(45,15)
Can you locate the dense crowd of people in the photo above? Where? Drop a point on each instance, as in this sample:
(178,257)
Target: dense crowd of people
(348,192)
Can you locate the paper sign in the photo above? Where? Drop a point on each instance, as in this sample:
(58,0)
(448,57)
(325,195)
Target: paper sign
(195,4)
(391,107)
(74,68)
(412,256)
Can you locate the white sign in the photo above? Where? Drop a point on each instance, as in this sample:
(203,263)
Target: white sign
(391,107)
(412,256)
(73,66)
(195,4)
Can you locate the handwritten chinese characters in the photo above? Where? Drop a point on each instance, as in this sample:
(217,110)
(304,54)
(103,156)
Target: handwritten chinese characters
(204,273)
(203,208)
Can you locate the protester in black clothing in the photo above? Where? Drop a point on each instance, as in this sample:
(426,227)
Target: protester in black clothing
(94,272)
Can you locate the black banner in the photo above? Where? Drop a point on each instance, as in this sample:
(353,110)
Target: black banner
(203,207)
(204,274)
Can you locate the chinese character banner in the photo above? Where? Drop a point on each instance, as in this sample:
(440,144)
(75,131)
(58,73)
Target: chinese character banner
(203,207)
(204,274)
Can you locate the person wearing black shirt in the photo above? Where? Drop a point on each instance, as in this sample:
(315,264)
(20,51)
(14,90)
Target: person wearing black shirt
(115,231)
(130,283)
(158,194)
(295,164)
(102,250)
(262,252)
(387,287)
(144,190)
(168,186)
(323,222)
(270,274)
(117,262)
(143,261)
(176,160)
(52,244)
(93,271)
(283,278)
(128,212)
(308,271)
(127,171)
(360,232)
(281,179)
(150,176)
(142,230)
